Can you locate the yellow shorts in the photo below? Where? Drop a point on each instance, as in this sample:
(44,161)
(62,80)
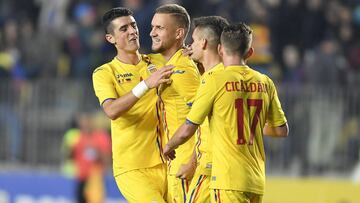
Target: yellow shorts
(146,185)
(199,190)
(177,189)
(230,196)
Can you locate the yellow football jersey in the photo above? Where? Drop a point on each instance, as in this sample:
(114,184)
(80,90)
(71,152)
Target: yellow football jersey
(135,142)
(176,100)
(203,139)
(239,101)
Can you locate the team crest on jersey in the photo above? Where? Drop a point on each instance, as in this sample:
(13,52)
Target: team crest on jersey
(151,68)
(124,77)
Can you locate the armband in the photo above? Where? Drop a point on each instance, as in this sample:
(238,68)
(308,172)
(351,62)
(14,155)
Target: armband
(140,89)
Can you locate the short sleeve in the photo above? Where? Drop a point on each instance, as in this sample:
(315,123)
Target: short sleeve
(186,82)
(276,116)
(103,85)
(203,102)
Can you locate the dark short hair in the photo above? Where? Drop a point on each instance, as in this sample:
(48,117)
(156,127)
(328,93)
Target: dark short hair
(236,38)
(181,15)
(213,25)
(112,14)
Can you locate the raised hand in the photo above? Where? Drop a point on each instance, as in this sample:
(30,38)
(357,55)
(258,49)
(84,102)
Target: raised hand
(160,76)
(187,51)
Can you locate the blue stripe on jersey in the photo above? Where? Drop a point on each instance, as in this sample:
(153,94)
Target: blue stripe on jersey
(192,193)
(183,188)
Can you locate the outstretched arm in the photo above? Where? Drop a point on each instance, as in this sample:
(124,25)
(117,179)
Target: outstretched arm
(114,108)
(182,134)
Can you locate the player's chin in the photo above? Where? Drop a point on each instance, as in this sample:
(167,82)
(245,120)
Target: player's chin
(193,57)
(134,43)
(133,47)
(156,48)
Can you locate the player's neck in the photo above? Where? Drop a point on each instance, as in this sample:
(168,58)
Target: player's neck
(129,57)
(167,54)
(210,61)
(233,60)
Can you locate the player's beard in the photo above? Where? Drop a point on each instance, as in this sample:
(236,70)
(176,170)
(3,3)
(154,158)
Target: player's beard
(160,49)
(164,45)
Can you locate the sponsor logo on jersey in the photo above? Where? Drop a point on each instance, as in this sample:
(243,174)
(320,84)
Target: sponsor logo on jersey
(124,77)
(151,68)
(179,72)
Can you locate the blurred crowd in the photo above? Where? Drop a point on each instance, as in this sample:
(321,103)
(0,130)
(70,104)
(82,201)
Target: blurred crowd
(296,41)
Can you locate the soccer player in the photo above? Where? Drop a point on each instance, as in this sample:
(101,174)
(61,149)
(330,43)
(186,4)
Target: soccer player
(204,49)
(125,89)
(242,105)
(170,25)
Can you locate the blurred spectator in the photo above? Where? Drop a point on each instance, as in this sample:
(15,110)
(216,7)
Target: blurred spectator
(284,23)
(11,130)
(293,71)
(90,151)
(32,61)
(353,57)
(51,28)
(9,51)
(326,64)
(84,41)
(350,141)
(92,155)
(313,25)
(261,44)
(143,11)
(324,70)
(70,139)
(52,17)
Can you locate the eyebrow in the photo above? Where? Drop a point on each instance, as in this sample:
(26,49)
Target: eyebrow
(156,25)
(126,25)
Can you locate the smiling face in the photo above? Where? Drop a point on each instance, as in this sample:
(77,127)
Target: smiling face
(124,34)
(163,32)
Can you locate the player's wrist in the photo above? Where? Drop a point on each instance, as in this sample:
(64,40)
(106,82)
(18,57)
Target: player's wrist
(170,146)
(140,89)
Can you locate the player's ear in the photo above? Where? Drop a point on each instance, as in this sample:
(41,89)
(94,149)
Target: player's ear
(204,43)
(110,38)
(220,50)
(180,33)
(249,53)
